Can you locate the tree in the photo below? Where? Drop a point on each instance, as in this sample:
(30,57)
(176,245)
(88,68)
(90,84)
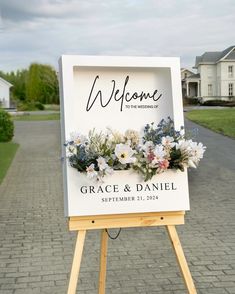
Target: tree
(42,84)
(18,80)
(50,87)
(33,83)
(39,83)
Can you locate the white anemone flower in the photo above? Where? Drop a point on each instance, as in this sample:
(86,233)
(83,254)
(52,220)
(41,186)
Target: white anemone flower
(124,153)
(194,151)
(102,163)
(184,145)
(91,173)
(147,147)
(159,153)
(197,151)
(168,141)
(78,138)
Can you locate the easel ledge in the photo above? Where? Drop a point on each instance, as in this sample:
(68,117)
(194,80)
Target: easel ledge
(83,223)
(150,219)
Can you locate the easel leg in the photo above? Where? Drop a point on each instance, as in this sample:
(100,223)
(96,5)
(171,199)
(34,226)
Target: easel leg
(181,259)
(76,262)
(103,261)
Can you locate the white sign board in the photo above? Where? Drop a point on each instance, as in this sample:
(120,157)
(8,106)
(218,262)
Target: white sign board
(100,92)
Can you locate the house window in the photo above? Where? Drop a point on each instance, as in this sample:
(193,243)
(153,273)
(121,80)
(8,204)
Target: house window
(185,75)
(209,89)
(230,89)
(230,71)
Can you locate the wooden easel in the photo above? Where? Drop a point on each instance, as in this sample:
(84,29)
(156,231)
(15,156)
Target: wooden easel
(82,224)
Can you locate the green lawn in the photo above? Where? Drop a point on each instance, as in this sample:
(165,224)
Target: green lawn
(34,117)
(52,107)
(7,153)
(219,120)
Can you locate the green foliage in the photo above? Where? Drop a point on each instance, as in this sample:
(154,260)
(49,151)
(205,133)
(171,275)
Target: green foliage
(190,101)
(33,83)
(30,106)
(161,148)
(18,80)
(39,83)
(39,105)
(6,126)
(42,84)
(219,103)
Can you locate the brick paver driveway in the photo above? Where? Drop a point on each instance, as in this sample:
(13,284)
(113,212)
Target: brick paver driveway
(36,247)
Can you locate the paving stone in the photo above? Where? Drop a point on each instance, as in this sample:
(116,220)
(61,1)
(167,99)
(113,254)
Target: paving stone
(28,291)
(213,291)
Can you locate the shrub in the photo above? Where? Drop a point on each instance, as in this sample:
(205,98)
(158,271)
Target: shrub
(190,101)
(6,126)
(39,105)
(30,106)
(219,103)
(24,106)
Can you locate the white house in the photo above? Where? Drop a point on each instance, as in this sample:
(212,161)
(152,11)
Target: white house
(215,78)
(188,89)
(5,93)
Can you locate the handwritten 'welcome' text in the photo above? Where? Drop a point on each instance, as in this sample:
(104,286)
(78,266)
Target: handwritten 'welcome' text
(118,95)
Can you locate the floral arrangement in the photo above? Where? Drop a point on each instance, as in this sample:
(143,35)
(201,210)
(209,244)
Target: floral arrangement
(159,148)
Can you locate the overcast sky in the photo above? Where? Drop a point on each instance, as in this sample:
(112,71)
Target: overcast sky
(42,30)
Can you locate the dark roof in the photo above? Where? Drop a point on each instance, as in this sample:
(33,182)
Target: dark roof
(185,69)
(226,51)
(231,56)
(213,57)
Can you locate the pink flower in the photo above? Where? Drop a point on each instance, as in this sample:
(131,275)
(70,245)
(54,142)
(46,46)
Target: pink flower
(150,156)
(164,164)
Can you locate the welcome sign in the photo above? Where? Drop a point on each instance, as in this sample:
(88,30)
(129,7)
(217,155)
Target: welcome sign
(119,93)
